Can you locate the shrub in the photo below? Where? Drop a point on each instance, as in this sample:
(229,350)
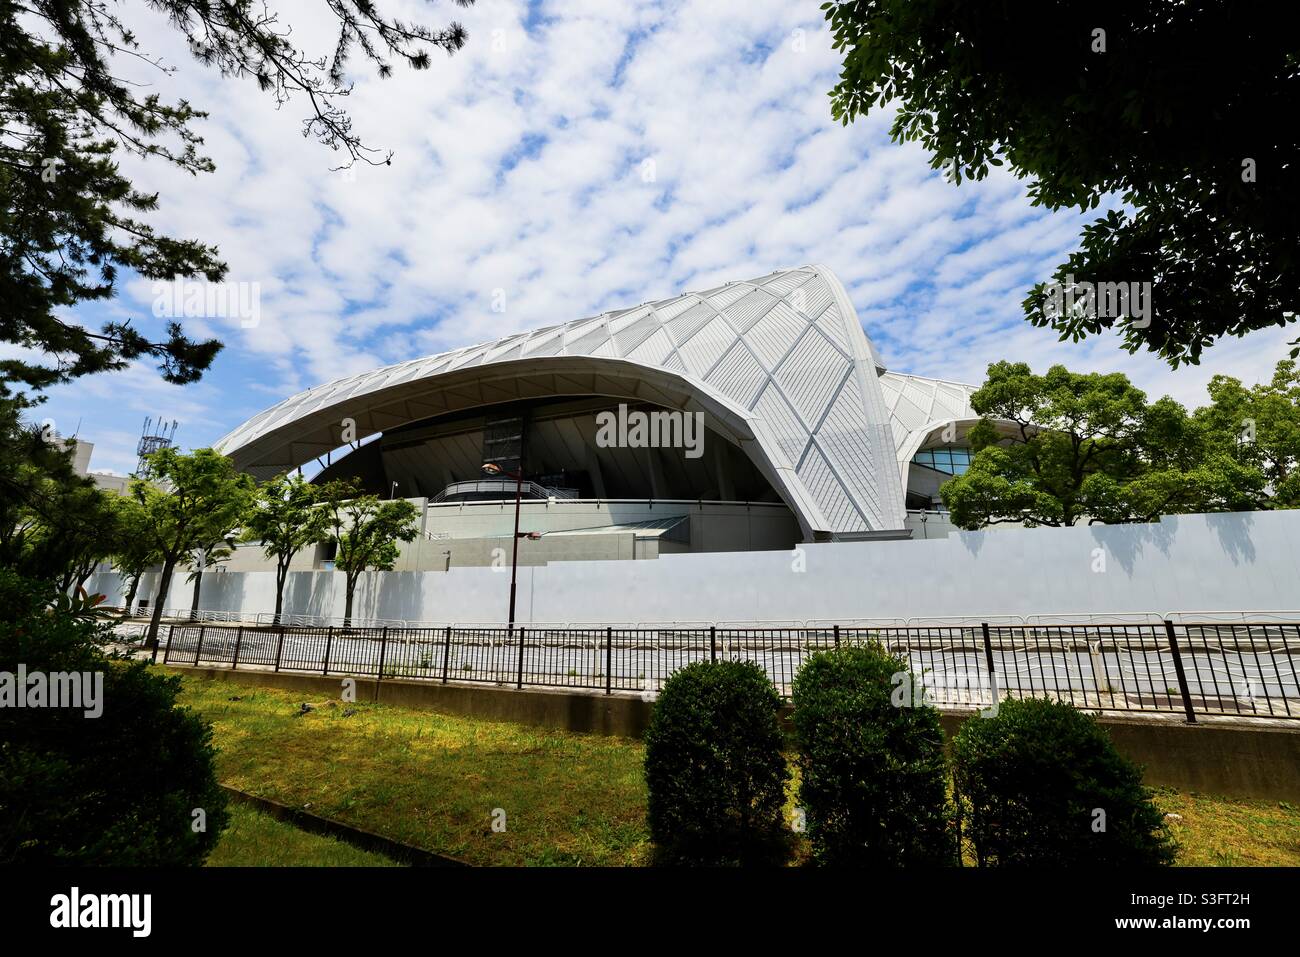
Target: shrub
(117,789)
(1032,780)
(714,767)
(872,783)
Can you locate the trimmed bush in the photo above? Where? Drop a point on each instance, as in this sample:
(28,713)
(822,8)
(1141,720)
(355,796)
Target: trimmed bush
(714,768)
(118,789)
(1041,783)
(872,782)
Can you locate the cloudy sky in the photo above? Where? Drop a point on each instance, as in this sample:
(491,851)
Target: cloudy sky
(577,157)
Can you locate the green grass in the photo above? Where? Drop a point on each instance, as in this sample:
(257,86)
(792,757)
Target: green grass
(254,839)
(434,780)
(1216,832)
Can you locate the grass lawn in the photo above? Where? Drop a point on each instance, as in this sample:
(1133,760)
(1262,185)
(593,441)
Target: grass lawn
(435,780)
(254,839)
(1216,832)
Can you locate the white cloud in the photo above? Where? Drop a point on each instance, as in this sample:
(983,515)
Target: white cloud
(518,167)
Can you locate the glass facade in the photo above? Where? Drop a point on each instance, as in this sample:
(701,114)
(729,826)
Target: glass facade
(949,459)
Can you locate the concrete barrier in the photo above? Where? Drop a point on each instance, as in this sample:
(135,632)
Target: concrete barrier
(620,715)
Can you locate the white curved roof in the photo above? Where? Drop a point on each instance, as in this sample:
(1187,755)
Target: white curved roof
(918,405)
(779,364)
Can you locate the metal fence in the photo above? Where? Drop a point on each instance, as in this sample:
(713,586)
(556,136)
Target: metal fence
(1187,668)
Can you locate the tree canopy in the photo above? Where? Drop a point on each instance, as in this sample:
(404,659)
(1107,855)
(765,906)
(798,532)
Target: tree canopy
(1065,447)
(1175,108)
(195,499)
(72,220)
(365,531)
(1262,425)
(284,519)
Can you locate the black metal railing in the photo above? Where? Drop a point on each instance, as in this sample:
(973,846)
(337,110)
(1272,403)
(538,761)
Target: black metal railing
(1238,668)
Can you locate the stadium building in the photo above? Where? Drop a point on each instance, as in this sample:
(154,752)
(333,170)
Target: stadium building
(755,415)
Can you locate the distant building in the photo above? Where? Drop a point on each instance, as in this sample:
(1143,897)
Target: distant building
(109,482)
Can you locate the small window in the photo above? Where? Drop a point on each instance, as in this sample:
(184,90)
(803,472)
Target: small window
(949,459)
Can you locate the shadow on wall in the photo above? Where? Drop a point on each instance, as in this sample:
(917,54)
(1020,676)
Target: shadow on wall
(1127,542)
(311,593)
(399,595)
(1233,530)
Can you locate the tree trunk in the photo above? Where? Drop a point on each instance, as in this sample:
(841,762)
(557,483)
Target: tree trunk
(169,566)
(281,573)
(129,600)
(194,601)
(347,604)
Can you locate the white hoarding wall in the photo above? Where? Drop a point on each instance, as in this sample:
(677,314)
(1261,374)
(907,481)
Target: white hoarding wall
(1226,562)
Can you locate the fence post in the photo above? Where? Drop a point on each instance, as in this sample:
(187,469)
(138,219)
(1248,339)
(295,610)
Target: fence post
(171,633)
(713,642)
(837,636)
(988,661)
(239,640)
(198,646)
(523,635)
(383,651)
(279,649)
(329,640)
(609,650)
(446,653)
(1178,669)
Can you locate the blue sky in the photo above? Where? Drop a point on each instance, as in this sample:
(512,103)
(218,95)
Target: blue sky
(573,158)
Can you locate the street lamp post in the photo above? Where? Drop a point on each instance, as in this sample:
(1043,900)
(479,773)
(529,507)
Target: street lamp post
(491,468)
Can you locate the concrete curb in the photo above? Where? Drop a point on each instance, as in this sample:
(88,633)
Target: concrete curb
(365,840)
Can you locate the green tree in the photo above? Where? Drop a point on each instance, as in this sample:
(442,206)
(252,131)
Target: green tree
(197,499)
(1109,98)
(81,528)
(285,519)
(118,788)
(1262,425)
(33,462)
(1062,447)
(73,220)
(55,525)
(365,531)
(136,549)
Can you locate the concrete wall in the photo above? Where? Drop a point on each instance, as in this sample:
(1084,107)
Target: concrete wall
(468,532)
(1228,562)
(621,715)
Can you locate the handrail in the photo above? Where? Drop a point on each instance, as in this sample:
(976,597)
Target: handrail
(533,490)
(1059,619)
